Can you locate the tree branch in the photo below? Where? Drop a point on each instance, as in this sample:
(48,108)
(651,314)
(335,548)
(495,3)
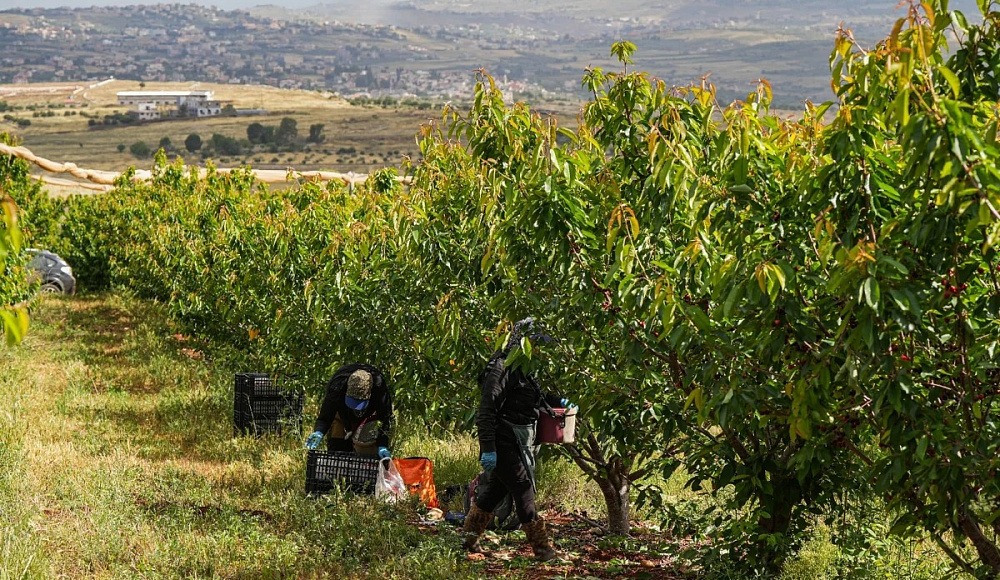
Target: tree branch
(954,557)
(639,474)
(580,460)
(583,518)
(861,454)
(595,450)
(987,549)
(737,445)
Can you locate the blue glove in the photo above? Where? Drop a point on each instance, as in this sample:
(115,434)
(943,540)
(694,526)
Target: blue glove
(312,441)
(488,461)
(383,453)
(566,404)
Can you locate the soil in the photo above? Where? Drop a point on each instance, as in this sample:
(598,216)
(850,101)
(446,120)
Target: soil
(586,551)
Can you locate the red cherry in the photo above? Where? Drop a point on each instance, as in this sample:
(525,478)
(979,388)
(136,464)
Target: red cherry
(777,322)
(904,357)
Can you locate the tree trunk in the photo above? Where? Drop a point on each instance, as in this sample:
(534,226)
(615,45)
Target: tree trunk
(987,550)
(616,488)
(779,504)
(612,475)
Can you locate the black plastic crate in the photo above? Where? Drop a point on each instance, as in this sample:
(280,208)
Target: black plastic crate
(325,469)
(262,404)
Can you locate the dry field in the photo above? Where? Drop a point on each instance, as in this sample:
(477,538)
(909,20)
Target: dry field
(358,138)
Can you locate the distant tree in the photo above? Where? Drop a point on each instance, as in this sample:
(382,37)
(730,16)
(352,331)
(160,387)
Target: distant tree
(268,136)
(165,143)
(121,147)
(287,131)
(255,133)
(140,149)
(142,85)
(228,111)
(226,145)
(316,133)
(192,143)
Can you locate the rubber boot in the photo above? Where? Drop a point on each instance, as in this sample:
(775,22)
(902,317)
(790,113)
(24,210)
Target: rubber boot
(538,537)
(475,526)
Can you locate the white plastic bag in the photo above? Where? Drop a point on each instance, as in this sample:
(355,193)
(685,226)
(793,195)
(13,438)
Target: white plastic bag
(389,485)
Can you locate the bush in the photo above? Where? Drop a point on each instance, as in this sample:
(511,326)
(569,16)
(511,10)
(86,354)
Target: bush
(140,150)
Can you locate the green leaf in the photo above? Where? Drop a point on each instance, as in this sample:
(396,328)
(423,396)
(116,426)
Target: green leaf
(904,525)
(695,396)
(612,236)
(956,86)
(872,293)
(900,299)
(899,267)
(487,261)
(735,293)
(740,170)
(699,318)
(902,106)
(779,274)
(15,325)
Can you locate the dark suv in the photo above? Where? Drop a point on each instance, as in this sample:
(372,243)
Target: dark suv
(52,272)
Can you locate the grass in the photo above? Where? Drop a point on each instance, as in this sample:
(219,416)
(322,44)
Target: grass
(118,461)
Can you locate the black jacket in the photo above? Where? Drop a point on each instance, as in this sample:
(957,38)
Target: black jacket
(507,394)
(379,406)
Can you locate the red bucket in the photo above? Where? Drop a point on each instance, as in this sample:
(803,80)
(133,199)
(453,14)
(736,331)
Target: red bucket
(558,429)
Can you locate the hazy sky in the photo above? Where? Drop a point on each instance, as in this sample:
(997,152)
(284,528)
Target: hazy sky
(224,4)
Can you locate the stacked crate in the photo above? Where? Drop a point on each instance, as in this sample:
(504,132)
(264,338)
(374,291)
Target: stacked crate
(262,405)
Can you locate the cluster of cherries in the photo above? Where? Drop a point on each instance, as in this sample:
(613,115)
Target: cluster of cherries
(950,286)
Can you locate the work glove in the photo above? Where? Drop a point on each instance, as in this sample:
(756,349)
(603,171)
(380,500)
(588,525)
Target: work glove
(488,461)
(312,441)
(383,453)
(566,404)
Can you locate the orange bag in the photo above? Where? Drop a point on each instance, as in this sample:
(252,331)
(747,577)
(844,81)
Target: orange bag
(418,475)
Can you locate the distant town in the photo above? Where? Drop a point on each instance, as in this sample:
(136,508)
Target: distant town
(432,48)
(174,43)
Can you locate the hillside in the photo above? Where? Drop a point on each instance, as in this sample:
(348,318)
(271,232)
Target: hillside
(427,49)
